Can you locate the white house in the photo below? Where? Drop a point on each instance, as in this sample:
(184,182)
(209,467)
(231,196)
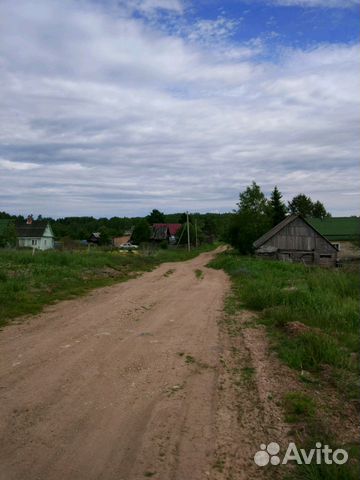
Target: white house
(35,234)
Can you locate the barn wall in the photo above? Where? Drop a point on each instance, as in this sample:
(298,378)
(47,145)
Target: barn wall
(298,242)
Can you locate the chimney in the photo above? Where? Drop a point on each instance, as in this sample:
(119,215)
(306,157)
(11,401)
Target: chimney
(29,220)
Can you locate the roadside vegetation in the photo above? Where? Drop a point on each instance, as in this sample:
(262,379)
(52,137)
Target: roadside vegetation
(29,282)
(312,318)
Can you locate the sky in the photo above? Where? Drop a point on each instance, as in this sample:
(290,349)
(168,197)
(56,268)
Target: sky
(113,108)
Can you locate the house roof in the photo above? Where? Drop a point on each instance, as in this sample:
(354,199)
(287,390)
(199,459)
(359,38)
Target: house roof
(34,229)
(337,228)
(160,230)
(264,238)
(287,220)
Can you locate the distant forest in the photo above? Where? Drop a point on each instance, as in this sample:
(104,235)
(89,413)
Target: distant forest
(255,214)
(80,228)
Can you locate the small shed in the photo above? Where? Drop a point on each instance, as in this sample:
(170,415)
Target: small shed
(296,240)
(94,238)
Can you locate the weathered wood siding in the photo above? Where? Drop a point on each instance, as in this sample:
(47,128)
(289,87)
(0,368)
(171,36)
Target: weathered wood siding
(298,242)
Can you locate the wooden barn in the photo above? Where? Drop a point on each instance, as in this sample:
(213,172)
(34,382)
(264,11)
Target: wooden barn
(165,231)
(295,240)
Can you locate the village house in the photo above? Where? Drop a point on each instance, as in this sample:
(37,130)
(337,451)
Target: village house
(35,234)
(296,240)
(165,231)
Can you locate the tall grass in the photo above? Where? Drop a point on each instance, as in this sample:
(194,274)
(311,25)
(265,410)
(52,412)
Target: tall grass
(28,282)
(327,301)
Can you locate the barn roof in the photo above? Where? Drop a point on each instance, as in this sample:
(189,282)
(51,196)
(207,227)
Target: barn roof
(34,229)
(264,238)
(287,220)
(160,230)
(337,228)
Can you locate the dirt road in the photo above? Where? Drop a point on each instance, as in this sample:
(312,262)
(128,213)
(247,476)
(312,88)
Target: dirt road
(120,384)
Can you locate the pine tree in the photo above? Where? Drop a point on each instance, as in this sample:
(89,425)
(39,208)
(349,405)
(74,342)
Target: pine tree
(277,207)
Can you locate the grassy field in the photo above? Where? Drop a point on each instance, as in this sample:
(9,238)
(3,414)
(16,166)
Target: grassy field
(28,282)
(312,318)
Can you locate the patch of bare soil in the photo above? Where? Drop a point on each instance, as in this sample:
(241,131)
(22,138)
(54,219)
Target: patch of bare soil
(251,389)
(146,378)
(119,384)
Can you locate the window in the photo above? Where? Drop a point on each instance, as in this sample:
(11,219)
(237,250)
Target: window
(337,246)
(325,255)
(33,242)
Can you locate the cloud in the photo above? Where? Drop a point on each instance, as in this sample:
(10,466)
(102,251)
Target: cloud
(17,166)
(148,5)
(112,116)
(316,3)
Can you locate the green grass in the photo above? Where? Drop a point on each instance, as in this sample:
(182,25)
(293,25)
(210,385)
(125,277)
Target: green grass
(326,347)
(324,300)
(297,406)
(28,282)
(199,274)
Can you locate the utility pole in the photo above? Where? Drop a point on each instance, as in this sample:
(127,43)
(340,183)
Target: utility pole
(196,240)
(188,231)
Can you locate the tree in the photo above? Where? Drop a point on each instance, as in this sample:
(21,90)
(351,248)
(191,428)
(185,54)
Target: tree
(301,205)
(209,226)
(155,217)
(8,236)
(304,206)
(183,239)
(141,232)
(105,237)
(253,200)
(251,219)
(277,207)
(183,218)
(319,211)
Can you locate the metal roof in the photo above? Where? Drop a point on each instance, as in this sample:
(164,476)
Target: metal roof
(337,228)
(34,229)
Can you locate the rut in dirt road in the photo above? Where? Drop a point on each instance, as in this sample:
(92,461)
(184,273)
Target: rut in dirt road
(120,384)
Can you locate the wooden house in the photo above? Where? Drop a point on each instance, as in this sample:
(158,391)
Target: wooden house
(35,234)
(296,240)
(165,231)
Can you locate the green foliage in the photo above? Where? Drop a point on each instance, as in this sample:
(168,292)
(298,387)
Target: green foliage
(326,348)
(325,301)
(28,282)
(303,205)
(297,406)
(251,220)
(277,207)
(183,237)
(7,233)
(155,217)
(141,232)
(314,471)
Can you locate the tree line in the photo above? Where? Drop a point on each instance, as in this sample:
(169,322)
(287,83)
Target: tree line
(256,214)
